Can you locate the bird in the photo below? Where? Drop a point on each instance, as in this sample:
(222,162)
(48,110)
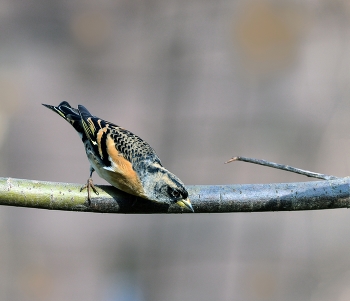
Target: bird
(123,159)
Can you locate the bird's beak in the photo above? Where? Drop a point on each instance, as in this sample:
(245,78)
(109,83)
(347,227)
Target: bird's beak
(185,203)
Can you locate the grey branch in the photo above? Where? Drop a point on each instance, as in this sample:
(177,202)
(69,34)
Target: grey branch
(312,195)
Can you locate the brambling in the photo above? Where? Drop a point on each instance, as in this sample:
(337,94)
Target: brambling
(123,159)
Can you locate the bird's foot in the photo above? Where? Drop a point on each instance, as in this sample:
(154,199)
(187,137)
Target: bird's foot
(89,185)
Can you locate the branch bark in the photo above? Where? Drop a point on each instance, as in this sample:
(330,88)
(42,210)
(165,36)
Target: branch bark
(314,195)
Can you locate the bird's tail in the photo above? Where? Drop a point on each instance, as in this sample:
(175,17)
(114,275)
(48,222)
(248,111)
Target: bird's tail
(68,113)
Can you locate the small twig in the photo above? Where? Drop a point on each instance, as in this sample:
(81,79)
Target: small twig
(284,167)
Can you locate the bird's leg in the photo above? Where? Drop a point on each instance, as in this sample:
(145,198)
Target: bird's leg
(89,185)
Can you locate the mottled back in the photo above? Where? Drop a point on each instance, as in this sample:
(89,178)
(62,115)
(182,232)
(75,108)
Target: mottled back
(129,145)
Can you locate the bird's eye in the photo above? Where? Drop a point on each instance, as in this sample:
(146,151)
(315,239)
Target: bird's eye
(176,193)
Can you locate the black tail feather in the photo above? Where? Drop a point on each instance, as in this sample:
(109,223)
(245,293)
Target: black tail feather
(70,114)
(84,112)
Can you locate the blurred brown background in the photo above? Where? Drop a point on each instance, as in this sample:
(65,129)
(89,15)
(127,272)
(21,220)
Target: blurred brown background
(201,81)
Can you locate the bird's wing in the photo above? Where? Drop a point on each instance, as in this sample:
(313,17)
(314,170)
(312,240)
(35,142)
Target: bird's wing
(111,142)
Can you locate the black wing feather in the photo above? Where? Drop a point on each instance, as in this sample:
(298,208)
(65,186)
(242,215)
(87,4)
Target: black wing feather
(131,146)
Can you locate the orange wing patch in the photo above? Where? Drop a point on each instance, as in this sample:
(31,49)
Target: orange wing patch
(123,175)
(98,139)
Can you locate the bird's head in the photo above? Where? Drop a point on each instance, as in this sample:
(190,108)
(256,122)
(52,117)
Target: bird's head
(162,186)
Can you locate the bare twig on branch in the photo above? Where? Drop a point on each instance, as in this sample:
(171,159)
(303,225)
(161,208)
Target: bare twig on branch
(303,172)
(312,195)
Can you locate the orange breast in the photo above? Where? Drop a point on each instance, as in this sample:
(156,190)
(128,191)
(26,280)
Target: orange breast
(123,176)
